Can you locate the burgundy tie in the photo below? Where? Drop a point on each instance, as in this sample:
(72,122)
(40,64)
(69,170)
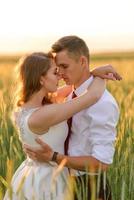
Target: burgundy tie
(69,122)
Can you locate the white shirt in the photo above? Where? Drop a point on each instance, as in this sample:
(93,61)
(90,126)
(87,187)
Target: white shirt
(94,129)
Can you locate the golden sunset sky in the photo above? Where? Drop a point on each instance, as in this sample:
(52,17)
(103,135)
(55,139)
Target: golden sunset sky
(33,25)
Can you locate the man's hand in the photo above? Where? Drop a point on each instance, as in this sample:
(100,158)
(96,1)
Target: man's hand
(106,72)
(44,154)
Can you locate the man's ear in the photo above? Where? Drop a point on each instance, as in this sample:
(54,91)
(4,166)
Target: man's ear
(83,61)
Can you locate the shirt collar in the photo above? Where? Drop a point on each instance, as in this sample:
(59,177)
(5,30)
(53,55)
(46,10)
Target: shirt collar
(83,86)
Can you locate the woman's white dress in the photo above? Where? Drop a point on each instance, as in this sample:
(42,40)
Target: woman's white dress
(34,180)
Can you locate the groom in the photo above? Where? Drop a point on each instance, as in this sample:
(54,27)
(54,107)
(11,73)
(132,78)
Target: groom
(92,132)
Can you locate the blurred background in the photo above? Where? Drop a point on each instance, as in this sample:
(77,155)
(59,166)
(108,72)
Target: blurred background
(108,28)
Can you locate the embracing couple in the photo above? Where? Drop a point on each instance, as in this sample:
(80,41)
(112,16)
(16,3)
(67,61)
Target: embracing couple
(67,132)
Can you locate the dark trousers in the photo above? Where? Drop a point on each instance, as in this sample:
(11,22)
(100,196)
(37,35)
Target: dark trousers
(92,187)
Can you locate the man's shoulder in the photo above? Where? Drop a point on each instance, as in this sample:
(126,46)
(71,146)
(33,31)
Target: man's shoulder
(106,109)
(105,102)
(107,97)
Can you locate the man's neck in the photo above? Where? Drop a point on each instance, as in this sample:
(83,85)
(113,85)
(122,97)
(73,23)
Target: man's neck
(84,77)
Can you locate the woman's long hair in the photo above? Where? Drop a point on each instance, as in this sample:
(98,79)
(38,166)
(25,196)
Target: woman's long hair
(30,69)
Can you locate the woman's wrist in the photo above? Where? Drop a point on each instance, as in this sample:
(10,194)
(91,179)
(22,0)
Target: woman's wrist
(94,71)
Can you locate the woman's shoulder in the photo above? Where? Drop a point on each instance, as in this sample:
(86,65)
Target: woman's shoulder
(21,113)
(21,117)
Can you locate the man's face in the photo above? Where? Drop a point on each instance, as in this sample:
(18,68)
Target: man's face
(70,69)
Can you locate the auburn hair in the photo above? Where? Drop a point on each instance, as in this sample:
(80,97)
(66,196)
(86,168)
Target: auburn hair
(31,68)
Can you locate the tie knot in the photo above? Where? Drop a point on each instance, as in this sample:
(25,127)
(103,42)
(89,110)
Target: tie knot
(74,95)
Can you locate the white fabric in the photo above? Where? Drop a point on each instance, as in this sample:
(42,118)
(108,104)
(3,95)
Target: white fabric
(34,180)
(94,129)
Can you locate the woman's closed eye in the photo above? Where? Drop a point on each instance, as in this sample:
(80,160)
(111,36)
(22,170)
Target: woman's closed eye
(56,71)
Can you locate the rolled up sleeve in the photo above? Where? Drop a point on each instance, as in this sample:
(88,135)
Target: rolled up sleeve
(102,118)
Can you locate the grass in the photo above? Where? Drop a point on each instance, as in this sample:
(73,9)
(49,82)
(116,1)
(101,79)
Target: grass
(121,171)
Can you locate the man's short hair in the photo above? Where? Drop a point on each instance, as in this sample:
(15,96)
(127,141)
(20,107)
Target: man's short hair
(75,46)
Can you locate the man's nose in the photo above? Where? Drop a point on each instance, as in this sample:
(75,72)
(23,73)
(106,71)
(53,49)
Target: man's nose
(59,76)
(61,72)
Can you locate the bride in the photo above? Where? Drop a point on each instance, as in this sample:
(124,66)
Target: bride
(39,115)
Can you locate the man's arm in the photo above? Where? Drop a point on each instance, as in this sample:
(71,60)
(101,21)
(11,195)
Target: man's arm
(102,118)
(82,163)
(45,154)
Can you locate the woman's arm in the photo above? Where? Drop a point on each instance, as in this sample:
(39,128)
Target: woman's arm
(49,115)
(106,72)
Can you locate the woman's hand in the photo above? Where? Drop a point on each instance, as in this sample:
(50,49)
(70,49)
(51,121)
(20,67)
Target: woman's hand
(106,72)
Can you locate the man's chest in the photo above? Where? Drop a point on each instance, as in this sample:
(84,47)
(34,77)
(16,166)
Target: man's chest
(80,122)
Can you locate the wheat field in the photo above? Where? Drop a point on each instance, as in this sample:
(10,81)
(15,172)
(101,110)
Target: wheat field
(121,172)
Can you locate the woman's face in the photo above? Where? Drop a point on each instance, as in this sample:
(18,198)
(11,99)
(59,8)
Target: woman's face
(50,80)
